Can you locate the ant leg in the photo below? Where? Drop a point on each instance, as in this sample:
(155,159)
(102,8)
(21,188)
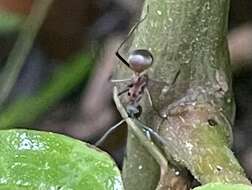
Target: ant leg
(128,36)
(149,97)
(163,116)
(122,92)
(120,80)
(122,59)
(101,140)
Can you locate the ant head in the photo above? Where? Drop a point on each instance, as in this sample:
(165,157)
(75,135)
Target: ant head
(140,60)
(133,111)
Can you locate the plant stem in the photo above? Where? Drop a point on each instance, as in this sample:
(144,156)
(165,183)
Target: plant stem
(195,111)
(22,47)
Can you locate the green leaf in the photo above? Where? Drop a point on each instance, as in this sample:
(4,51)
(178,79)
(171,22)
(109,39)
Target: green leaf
(222,186)
(10,21)
(34,160)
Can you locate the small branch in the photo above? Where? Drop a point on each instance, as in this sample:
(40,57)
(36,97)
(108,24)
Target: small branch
(144,141)
(22,47)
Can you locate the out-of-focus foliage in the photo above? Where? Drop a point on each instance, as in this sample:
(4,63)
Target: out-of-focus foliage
(40,160)
(25,110)
(222,186)
(10,21)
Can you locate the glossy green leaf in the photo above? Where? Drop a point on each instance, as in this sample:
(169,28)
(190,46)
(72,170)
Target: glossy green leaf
(10,21)
(34,160)
(222,186)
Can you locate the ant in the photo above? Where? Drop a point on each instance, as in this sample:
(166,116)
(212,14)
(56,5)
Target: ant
(138,61)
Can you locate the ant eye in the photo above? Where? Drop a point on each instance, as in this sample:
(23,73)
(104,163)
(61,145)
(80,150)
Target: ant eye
(139,111)
(140,59)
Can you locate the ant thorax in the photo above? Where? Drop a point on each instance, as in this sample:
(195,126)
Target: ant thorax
(137,87)
(135,93)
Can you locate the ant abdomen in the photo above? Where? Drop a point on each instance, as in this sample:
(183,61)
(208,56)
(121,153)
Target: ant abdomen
(140,60)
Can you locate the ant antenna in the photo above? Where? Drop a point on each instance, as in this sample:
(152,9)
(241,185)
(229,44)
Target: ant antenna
(128,36)
(101,140)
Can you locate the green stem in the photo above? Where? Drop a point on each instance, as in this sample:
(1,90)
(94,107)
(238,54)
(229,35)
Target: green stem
(189,38)
(22,47)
